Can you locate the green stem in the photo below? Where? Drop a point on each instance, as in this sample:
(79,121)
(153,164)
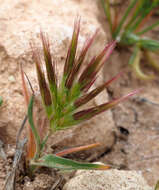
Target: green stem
(1,101)
(132,4)
(135,14)
(106,7)
(45,140)
(150,60)
(148,28)
(135,63)
(33,167)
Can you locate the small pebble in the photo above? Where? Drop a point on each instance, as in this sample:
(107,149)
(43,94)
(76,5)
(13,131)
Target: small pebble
(11,78)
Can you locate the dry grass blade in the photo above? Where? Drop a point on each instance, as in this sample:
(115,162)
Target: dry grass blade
(10,180)
(77,149)
(31,145)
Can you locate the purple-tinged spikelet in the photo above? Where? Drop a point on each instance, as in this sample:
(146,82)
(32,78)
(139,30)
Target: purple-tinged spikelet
(63,100)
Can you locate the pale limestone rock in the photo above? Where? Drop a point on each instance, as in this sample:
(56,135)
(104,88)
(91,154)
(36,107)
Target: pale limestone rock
(21,20)
(107,180)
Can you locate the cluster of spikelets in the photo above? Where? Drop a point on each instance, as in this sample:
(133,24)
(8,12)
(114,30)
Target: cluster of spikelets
(61,99)
(129,31)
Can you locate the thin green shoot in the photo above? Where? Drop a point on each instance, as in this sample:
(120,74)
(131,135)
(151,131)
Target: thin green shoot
(1,101)
(118,29)
(148,28)
(106,6)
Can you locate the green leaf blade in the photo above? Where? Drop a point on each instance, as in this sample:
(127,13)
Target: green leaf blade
(136,13)
(53,161)
(149,44)
(1,101)
(135,64)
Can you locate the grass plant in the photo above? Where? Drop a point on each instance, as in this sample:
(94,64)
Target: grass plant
(130,30)
(62,99)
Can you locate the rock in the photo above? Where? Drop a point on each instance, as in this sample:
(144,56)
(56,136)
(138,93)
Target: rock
(138,150)
(21,22)
(107,180)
